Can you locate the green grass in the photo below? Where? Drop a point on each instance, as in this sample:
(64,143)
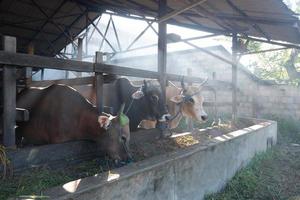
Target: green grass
(271,175)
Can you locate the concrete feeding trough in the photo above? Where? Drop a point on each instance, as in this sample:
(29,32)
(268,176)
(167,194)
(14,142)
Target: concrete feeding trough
(188,173)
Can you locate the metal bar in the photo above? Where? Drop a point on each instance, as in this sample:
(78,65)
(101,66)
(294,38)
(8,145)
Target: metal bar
(271,42)
(264,51)
(234,76)
(105,33)
(177,12)
(94,29)
(209,53)
(143,18)
(139,36)
(98,30)
(182,40)
(68,27)
(162,48)
(255,26)
(150,24)
(116,33)
(9,95)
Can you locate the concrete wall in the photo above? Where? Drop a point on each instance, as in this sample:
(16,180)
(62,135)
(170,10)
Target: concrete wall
(185,174)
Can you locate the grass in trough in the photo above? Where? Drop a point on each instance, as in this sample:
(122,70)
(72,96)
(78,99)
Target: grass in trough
(271,175)
(33,181)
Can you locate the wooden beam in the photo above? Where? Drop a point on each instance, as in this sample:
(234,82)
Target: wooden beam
(174,13)
(24,60)
(162,48)
(9,95)
(79,53)
(99,84)
(234,76)
(70,82)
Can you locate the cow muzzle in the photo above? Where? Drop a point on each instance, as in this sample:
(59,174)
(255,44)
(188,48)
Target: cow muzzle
(165,118)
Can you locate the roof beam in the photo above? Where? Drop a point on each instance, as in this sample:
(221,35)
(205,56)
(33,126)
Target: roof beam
(48,18)
(68,27)
(177,12)
(289,45)
(264,51)
(255,26)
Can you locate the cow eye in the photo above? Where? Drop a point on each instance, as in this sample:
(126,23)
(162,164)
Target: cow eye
(154,98)
(191,100)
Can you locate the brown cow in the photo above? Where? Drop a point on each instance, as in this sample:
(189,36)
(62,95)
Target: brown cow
(59,114)
(186,101)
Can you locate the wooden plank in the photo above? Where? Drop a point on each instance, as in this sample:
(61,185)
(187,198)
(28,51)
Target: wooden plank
(26,60)
(9,95)
(70,82)
(124,71)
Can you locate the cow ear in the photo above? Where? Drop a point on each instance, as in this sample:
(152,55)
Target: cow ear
(104,121)
(177,99)
(138,94)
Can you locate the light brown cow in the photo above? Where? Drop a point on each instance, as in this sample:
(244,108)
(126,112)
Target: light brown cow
(186,101)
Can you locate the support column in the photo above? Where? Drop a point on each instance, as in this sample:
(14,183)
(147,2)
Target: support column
(189,121)
(9,95)
(99,84)
(28,70)
(79,54)
(162,48)
(234,76)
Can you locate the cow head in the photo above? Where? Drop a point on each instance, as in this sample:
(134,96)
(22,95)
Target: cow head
(190,101)
(150,99)
(117,135)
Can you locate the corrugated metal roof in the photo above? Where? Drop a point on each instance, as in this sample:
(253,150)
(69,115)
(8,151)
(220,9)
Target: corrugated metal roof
(27,19)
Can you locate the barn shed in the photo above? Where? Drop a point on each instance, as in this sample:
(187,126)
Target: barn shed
(37,34)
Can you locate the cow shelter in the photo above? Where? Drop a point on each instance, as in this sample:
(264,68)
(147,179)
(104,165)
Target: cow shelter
(67,42)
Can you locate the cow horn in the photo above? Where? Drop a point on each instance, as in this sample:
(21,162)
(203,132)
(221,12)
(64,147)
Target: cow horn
(203,82)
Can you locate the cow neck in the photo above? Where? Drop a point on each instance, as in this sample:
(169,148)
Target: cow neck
(91,124)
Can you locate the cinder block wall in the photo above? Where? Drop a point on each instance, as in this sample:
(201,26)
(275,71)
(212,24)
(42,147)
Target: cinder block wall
(256,98)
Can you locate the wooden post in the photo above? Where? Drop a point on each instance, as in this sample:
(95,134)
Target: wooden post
(189,121)
(9,95)
(234,76)
(28,70)
(99,84)
(79,53)
(162,48)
